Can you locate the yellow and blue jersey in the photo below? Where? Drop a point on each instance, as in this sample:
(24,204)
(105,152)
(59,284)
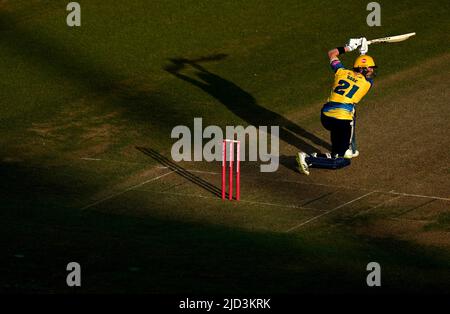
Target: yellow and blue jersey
(348,89)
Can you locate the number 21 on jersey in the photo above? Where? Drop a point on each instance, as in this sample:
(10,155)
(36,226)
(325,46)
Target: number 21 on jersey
(342,88)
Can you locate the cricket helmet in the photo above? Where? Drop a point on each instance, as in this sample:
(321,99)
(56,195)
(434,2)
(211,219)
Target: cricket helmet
(364,61)
(362,65)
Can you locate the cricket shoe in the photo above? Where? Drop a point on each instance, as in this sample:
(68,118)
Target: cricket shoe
(302,165)
(351,154)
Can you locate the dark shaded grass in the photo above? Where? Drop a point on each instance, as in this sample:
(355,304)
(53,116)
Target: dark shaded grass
(124,254)
(161,256)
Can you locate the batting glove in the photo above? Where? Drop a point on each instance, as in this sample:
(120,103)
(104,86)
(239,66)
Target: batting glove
(364,46)
(353,43)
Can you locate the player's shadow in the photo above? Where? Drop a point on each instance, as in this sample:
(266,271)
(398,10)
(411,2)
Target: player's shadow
(243,104)
(289,162)
(166,162)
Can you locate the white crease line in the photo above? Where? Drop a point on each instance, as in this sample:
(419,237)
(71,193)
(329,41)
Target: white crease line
(181,194)
(412,220)
(142,163)
(192,170)
(111,160)
(376,206)
(417,195)
(327,212)
(292,181)
(280,205)
(129,189)
(363,189)
(240,201)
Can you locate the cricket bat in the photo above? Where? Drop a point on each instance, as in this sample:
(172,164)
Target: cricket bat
(391,39)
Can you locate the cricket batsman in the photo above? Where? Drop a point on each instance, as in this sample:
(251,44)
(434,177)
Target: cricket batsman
(337,115)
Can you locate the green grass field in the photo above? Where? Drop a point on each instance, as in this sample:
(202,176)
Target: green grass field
(77,103)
